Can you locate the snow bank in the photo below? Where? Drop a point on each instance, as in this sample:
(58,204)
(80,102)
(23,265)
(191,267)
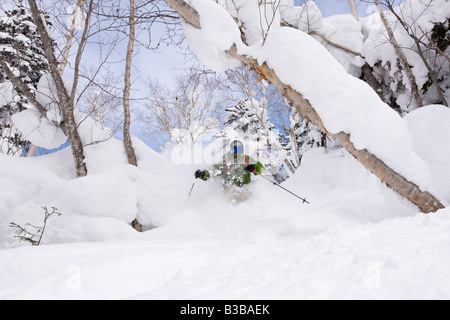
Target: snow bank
(430,132)
(402,258)
(332,173)
(343,102)
(100,206)
(353,241)
(350,243)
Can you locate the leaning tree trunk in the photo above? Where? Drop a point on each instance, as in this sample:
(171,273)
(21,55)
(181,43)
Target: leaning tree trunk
(69,126)
(424,200)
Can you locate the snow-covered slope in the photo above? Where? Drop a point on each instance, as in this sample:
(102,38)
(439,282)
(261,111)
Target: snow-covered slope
(402,258)
(357,239)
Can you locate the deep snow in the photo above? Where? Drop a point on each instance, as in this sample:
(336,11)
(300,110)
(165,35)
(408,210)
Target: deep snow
(357,239)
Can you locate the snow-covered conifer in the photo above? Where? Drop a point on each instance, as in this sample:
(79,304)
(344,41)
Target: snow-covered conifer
(303,136)
(248,121)
(22,49)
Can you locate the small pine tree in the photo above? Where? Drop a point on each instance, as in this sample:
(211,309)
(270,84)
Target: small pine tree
(22,49)
(248,121)
(307,136)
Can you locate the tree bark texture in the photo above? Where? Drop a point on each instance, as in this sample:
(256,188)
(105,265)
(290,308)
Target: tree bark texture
(69,125)
(424,200)
(353,10)
(126,92)
(126,102)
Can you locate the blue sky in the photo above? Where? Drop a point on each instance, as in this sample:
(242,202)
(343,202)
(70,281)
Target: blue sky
(334,7)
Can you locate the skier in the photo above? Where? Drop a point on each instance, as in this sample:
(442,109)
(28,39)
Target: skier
(235,170)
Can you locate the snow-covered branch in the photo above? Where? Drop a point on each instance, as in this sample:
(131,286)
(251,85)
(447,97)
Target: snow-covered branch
(313,82)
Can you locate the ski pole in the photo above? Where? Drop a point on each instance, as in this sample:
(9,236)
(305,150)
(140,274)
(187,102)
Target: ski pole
(192,188)
(278,185)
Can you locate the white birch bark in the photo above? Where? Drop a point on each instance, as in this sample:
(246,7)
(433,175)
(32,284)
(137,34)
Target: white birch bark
(126,92)
(69,124)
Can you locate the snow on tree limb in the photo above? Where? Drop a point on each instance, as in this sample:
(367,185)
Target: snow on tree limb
(18,83)
(396,181)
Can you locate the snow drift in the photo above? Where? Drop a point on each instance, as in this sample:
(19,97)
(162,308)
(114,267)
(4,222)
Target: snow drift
(357,239)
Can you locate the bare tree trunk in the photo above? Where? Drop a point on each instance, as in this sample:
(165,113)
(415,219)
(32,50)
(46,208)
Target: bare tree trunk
(431,72)
(353,9)
(126,92)
(401,55)
(126,103)
(366,69)
(424,200)
(65,56)
(436,47)
(69,125)
(371,79)
(31,150)
(69,37)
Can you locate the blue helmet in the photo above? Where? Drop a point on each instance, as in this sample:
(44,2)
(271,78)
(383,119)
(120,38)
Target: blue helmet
(237,147)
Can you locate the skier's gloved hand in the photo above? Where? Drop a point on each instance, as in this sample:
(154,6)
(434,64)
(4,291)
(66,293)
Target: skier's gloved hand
(199,174)
(250,168)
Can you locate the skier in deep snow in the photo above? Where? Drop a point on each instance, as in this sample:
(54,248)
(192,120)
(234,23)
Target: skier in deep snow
(235,171)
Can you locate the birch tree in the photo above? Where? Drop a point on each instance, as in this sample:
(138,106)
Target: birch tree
(126,91)
(353,9)
(401,56)
(184,114)
(66,100)
(69,36)
(397,182)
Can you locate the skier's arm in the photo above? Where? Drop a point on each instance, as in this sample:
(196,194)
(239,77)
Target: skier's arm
(204,175)
(254,167)
(259,168)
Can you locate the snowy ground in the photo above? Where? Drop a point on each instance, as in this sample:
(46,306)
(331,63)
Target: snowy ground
(356,240)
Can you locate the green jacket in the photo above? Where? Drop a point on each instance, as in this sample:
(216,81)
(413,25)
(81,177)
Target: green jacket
(232,170)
